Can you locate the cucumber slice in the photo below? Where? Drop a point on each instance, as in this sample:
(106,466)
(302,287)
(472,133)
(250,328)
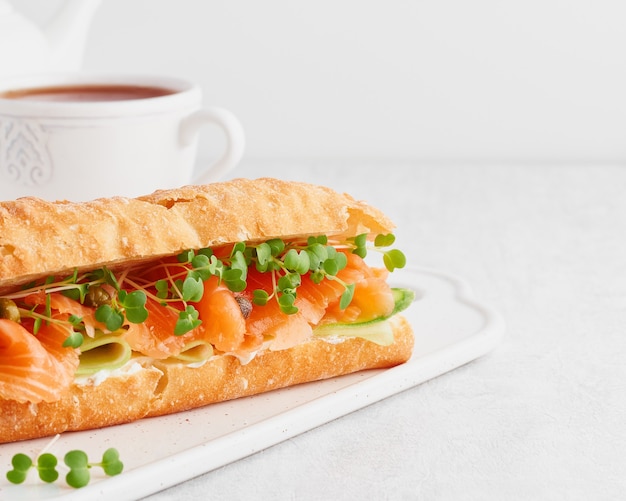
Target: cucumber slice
(403,299)
(105,352)
(378,330)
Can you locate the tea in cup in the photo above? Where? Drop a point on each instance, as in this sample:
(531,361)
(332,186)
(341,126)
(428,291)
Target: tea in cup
(84,136)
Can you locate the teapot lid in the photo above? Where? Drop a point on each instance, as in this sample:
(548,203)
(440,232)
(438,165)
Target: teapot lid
(26,48)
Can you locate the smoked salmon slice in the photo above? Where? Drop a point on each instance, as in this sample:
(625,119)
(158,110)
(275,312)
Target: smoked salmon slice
(372,298)
(64,306)
(319,303)
(155,337)
(222,319)
(35,368)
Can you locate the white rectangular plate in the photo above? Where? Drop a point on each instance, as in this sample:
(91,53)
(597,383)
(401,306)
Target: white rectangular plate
(451,328)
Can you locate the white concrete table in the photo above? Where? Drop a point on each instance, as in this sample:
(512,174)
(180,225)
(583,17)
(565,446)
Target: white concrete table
(543,416)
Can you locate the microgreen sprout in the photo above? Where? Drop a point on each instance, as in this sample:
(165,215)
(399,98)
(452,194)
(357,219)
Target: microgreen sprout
(45,466)
(121,298)
(187,321)
(75,339)
(78,463)
(76,460)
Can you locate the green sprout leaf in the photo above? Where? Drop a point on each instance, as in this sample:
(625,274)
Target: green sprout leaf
(263,253)
(317,277)
(341,260)
(207,251)
(187,321)
(291,259)
(384,240)
(394,259)
(360,251)
(111,463)
(285,301)
(318,253)
(110,279)
(46,466)
(76,321)
(277,246)
(238,262)
(48,309)
(330,267)
(135,306)
(289,282)
(321,239)
(74,340)
(37,325)
(346,297)
(304,263)
(233,278)
(200,265)
(260,297)
(185,256)
(78,462)
(110,317)
(77,293)
(215,266)
(192,289)
(21,464)
(238,247)
(162,287)
(360,240)
(298,262)
(182,282)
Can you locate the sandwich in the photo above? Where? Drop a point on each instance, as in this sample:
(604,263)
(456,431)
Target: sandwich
(120,309)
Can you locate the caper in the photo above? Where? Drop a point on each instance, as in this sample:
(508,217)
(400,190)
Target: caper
(244,305)
(9,310)
(97,296)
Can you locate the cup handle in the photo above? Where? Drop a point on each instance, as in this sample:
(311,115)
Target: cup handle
(235,140)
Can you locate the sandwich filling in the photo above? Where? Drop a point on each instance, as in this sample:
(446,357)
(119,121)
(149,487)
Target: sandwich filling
(232,300)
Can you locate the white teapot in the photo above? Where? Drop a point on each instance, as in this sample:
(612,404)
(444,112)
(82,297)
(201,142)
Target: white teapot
(58,46)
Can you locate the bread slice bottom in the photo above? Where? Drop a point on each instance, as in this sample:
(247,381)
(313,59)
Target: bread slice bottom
(168,388)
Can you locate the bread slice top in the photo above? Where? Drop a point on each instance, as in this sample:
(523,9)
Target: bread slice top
(40,238)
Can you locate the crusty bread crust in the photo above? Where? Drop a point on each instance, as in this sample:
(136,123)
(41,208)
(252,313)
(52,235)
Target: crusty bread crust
(40,238)
(169,388)
(117,400)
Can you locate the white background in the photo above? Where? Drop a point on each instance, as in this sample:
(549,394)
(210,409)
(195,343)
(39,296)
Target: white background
(492,132)
(486,80)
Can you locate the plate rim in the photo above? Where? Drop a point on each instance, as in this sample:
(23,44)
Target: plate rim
(292,422)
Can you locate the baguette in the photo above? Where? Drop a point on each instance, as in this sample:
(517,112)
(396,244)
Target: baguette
(46,238)
(40,239)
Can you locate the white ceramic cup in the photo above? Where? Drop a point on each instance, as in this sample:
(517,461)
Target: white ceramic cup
(81,150)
